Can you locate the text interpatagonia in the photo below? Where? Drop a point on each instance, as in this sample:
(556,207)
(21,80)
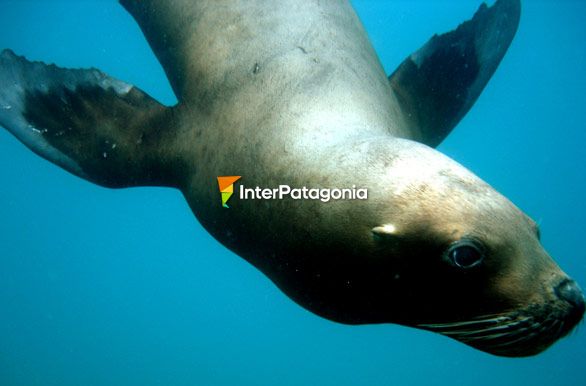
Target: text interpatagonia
(303,193)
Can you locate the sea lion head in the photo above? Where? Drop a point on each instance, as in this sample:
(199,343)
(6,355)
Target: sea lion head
(469,263)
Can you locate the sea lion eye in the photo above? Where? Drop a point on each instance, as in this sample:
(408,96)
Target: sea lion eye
(465,253)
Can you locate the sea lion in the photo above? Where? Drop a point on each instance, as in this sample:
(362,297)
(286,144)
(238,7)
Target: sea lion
(292,94)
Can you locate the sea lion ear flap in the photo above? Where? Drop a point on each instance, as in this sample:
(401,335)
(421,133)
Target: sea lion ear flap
(439,83)
(385,233)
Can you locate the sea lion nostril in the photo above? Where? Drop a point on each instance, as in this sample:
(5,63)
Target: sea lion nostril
(569,291)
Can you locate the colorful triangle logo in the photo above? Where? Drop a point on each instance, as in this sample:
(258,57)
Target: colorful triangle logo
(226,184)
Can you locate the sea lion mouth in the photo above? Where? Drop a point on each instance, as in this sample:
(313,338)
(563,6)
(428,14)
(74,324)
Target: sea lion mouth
(514,334)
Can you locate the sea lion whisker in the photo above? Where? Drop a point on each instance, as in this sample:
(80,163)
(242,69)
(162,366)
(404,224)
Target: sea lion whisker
(538,330)
(549,328)
(519,339)
(464,323)
(492,336)
(509,328)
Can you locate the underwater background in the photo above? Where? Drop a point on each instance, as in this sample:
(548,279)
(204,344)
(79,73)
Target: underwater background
(124,287)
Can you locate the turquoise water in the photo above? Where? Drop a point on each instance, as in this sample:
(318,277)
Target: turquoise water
(124,287)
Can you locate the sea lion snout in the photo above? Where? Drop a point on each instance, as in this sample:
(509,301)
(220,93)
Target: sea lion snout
(569,291)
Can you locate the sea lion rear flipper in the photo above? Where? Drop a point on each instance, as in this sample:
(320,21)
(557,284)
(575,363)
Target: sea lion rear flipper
(92,125)
(439,83)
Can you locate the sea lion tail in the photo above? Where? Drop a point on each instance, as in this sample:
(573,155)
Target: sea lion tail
(439,83)
(92,125)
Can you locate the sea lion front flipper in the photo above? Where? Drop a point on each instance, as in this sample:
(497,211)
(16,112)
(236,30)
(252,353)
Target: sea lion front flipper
(94,126)
(439,83)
